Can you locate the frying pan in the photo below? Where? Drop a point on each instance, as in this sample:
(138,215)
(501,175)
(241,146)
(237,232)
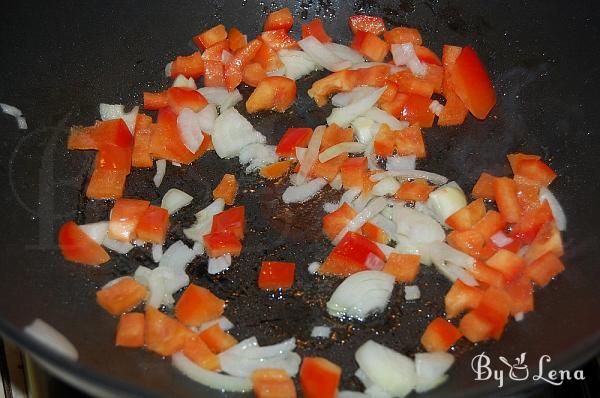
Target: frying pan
(60,61)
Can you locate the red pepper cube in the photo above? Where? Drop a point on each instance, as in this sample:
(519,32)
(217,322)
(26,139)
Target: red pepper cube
(350,255)
(237,39)
(319,378)
(235,66)
(461,297)
(402,34)
(152,225)
(274,93)
(544,268)
(466,217)
(217,339)
(180,98)
(221,243)
(188,66)
(489,224)
(278,39)
(353,172)
(210,37)
(520,292)
(102,134)
(275,275)
(505,194)
(366,23)
(495,307)
(78,247)
(130,330)
(280,19)
(415,110)
(404,267)
(476,327)
(272,383)
(164,335)
(335,221)
(231,220)
(122,296)
(155,101)
(124,218)
(440,335)
(320,91)
(315,28)
(106,184)
(292,138)
(484,187)
(371,46)
(487,275)
(548,239)
(507,262)
(198,305)
(214,75)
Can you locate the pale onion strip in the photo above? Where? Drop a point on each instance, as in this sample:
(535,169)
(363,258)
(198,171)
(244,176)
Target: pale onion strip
(222,321)
(225,57)
(218,264)
(161,168)
(54,340)
(336,183)
(117,245)
(381,116)
(175,199)
(10,110)
(338,149)
(177,257)
(168,69)
(500,239)
(304,192)
(184,82)
(320,332)
(221,97)
(114,282)
(189,129)
(404,54)
(322,55)
(345,98)
(431,368)
(157,252)
(96,231)
(557,211)
(311,155)
(426,175)
(110,111)
(345,53)
(387,186)
(436,107)
(176,164)
(373,208)
(373,262)
(397,163)
(446,200)
(210,379)
(21,122)
(412,292)
(345,115)
(297,63)
(313,267)
(364,65)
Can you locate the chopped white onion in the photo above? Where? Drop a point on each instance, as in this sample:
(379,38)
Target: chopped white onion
(157,252)
(142,275)
(184,82)
(345,115)
(162,283)
(96,231)
(310,156)
(519,316)
(348,97)
(412,292)
(452,263)
(205,119)
(203,224)
(396,163)
(436,107)
(418,227)
(190,130)
(557,211)
(111,111)
(321,332)
(176,164)
(365,129)
(114,282)
(297,63)
(217,381)
(256,156)
(431,368)
(222,321)
(313,267)
(177,257)
(117,245)
(232,132)
(168,69)
(304,192)
(54,340)
(10,110)
(384,223)
(369,64)
(372,390)
(361,294)
(361,201)
(338,149)
(345,53)
(404,54)
(219,264)
(500,239)
(277,72)
(161,168)
(336,183)
(175,199)
(387,186)
(330,207)
(446,200)
(21,122)
(371,210)
(247,356)
(381,116)
(426,175)
(389,370)
(373,262)
(322,55)
(221,97)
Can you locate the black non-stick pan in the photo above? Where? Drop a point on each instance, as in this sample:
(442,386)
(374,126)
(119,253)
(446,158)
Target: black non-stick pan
(59,60)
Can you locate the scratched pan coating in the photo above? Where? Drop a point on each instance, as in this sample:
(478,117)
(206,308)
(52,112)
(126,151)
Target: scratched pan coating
(59,62)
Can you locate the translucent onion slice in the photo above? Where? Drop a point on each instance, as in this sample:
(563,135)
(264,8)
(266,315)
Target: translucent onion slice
(161,168)
(311,154)
(404,54)
(381,116)
(54,340)
(338,149)
(304,192)
(557,211)
(175,199)
(436,179)
(345,115)
(217,381)
(371,210)
(322,55)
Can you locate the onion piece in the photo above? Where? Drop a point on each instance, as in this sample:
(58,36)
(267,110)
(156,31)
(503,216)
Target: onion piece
(96,231)
(177,257)
(161,168)
(189,129)
(218,264)
(220,97)
(184,82)
(10,110)
(198,248)
(54,340)
(349,196)
(210,379)
(404,54)
(519,316)
(304,192)
(322,55)
(321,332)
(232,132)
(162,283)
(361,294)
(418,227)
(345,115)
(203,224)
(361,201)
(557,211)
(21,122)
(310,156)
(396,163)
(175,199)
(142,275)
(373,262)
(381,116)
(206,118)
(338,149)
(431,368)
(372,390)
(297,63)
(446,200)
(365,129)
(117,245)
(111,111)
(373,208)
(336,183)
(346,53)
(412,292)
(330,207)
(346,98)
(222,321)
(256,156)
(313,267)
(436,107)
(168,69)
(452,263)
(437,179)
(387,186)
(391,371)
(500,239)
(157,252)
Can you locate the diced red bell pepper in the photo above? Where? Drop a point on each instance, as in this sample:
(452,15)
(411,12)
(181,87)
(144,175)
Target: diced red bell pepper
(164,335)
(130,330)
(417,190)
(237,39)
(548,239)
(536,171)
(350,255)
(319,378)
(272,383)
(487,275)
(227,189)
(507,262)
(484,188)
(197,351)
(476,327)
(335,221)
(253,74)
(472,83)
(275,275)
(210,37)
(515,158)
(315,28)
(416,111)
(292,138)
(371,46)
(107,133)
(278,39)
(221,243)
(235,65)
(454,112)
(530,222)
(215,52)
(505,194)
(334,135)
(140,156)
(404,267)
(268,59)
(106,184)
(152,225)
(440,335)
(123,296)
(180,98)
(217,339)
(231,220)
(275,93)
(402,34)
(385,141)
(354,171)
(275,170)
(491,223)
(520,291)
(155,101)
(544,268)
(198,305)
(472,243)
(409,141)
(460,298)
(495,306)
(113,158)
(426,55)
(188,66)
(528,194)
(468,216)
(214,74)
(408,83)
(366,23)
(124,217)
(320,90)
(389,95)
(375,76)
(374,233)
(78,247)
(280,19)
